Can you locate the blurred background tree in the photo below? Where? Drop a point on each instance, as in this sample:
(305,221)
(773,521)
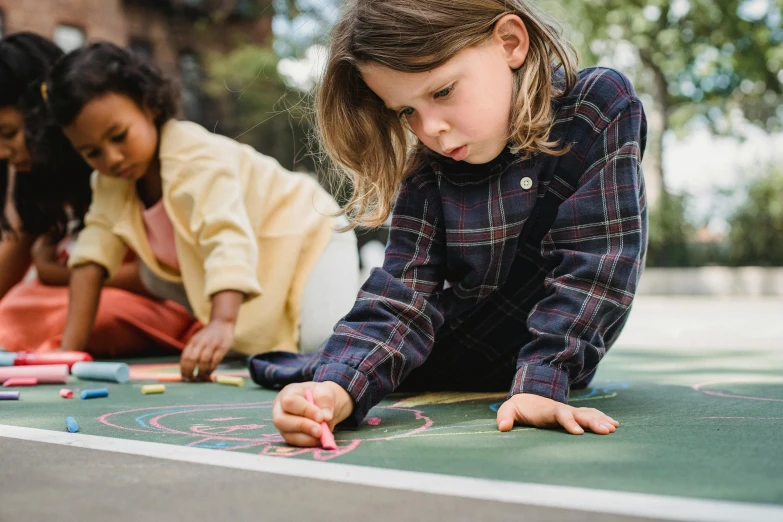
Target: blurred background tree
(266,90)
(692,58)
(712,63)
(262,110)
(756,234)
(715,62)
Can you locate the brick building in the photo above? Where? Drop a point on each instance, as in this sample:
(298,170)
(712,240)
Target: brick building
(174,33)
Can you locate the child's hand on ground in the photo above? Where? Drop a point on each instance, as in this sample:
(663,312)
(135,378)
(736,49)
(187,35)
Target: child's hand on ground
(534,410)
(299,421)
(206,349)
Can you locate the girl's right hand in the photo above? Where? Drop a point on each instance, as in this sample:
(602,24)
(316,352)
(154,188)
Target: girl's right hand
(299,421)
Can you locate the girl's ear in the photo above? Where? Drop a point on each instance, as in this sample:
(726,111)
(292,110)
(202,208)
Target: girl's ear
(511,34)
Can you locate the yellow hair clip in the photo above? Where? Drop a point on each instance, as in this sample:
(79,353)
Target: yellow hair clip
(44,91)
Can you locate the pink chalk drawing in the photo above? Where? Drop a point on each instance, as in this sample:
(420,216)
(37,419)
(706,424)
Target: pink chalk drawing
(702,388)
(723,383)
(218,426)
(199,427)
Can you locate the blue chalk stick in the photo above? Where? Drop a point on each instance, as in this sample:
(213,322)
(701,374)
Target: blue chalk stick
(94,393)
(71,424)
(102,371)
(9,396)
(7,359)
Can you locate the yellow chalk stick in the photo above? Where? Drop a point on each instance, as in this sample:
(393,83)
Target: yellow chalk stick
(153,388)
(228,379)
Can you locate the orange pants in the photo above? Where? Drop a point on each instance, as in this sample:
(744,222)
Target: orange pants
(32,318)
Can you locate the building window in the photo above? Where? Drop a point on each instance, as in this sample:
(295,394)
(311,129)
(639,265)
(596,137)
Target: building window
(68,37)
(142,47)
(190,73)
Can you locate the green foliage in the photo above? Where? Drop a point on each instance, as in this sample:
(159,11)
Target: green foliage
(756,236)
(713,55)
(670,233)
(263,111)
(302,23)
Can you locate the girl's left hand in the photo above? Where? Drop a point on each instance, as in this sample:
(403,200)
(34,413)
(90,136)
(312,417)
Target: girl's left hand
(534,410)
(206,349)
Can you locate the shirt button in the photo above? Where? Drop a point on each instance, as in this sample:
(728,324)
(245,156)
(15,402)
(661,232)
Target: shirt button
(526,183)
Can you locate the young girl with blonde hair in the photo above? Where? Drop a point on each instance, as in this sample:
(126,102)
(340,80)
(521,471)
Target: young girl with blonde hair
(518,230)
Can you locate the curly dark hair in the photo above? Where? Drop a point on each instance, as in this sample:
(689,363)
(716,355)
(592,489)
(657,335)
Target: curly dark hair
(101,68)
(58,176)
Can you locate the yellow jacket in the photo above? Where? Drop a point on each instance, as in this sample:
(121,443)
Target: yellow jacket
(241,222)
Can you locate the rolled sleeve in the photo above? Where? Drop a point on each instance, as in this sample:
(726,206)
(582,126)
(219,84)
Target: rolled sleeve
(97,243)
(207,199)
(545,381)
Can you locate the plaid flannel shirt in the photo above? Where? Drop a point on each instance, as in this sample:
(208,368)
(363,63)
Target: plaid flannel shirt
(514,275)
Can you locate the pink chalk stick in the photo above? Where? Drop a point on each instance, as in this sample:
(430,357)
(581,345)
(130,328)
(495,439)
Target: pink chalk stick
(65,393)
(327,439)
(49,358)
(169,378)
(48,374)
(20,381)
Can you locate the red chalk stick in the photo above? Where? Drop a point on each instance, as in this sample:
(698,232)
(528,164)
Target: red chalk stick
(20,381)
(69,358)
(65,393)
(327,439)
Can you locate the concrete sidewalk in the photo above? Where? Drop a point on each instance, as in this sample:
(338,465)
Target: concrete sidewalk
(704,323)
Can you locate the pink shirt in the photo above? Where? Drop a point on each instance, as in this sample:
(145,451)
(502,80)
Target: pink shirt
(160,234)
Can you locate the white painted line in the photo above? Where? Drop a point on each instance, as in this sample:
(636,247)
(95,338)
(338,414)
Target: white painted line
(594,500)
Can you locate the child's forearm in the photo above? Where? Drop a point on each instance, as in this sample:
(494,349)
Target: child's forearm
(85,292)
(52,274)
(14,260)
(225,306)
(128,278)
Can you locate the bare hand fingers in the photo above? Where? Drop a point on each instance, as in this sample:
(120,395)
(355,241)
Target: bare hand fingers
(294,403)
(300,439)
(324,400)
(286,423)
(506,416)
(597,421)
(205,360)
(189,358)
(565,417)
(217,356)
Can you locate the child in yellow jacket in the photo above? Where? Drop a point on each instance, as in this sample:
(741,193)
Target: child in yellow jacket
(219,227)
